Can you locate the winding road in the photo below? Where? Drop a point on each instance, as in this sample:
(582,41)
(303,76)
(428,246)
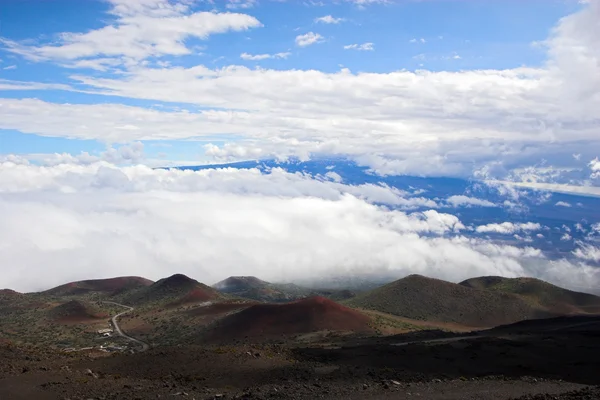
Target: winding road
(145,346)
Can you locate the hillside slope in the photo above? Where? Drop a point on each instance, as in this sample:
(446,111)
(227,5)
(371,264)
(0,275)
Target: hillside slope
(9,294)
(420,298)
(75,311)
(111,286)
(302,316)
(542,293)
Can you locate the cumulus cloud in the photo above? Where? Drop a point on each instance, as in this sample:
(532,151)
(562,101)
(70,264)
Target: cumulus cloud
(466,201)
(562,204)
(595,168)
(132,153)
(309,38)
(100,220)
(587,252)
(507,228)
(328,19)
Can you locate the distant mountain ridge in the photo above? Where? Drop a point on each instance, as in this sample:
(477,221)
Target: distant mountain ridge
(250,287)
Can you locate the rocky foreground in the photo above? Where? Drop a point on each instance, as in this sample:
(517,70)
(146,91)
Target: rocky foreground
(525,362)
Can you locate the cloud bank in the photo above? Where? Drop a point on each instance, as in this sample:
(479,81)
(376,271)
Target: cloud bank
(67,222)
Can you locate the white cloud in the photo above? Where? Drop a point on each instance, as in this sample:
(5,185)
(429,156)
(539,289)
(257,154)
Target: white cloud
(466,201)
(334,176)
(233,4)
(258,57)
(98,64)
(58,169)
(420,40)
(587,252)
(562,204)
(553,187)
(368,2)
(142,29)
(9,67)
(132,153)
(566,237)
(361,47)
(22,85)
(308,39)
(328,19)
(99,221)
(507,228)
(297,122)
(595,168)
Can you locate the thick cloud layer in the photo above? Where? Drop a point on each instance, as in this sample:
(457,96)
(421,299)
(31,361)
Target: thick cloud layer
(69,222)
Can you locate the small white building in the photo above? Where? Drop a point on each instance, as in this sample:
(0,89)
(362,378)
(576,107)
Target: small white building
(105,332)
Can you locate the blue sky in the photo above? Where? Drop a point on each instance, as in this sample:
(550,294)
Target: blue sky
(95,94)
(375,37)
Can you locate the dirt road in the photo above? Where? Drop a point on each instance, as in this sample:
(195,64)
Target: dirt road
(115,322)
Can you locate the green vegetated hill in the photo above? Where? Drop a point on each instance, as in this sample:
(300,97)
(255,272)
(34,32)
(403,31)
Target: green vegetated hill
(250,287)
(420,298)
(538,292)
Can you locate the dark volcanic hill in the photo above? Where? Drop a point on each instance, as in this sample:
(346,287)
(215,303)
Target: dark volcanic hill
(74,311)
(236,284)
(250,287)
(172,291)
(422,298)
(111,286)
(539,292)
(303,316)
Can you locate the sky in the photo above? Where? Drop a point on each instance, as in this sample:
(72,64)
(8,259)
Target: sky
(95,94)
